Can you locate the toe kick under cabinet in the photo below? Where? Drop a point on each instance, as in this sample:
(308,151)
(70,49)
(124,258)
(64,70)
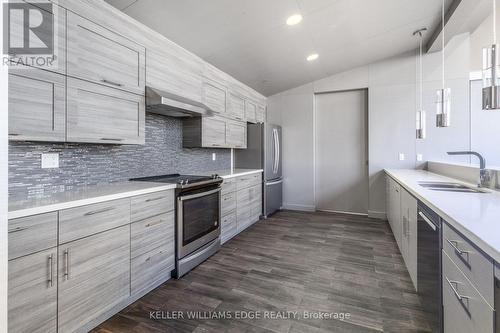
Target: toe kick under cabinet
(70,270)
(241,204)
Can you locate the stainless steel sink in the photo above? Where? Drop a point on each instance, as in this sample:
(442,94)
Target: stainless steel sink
(450,187)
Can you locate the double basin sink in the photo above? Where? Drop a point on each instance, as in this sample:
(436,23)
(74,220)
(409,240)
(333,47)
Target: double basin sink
(451,187)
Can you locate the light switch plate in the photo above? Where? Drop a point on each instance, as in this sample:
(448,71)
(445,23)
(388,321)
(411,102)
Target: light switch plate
(214,156)
(401,156)
(50,161)
(420,157)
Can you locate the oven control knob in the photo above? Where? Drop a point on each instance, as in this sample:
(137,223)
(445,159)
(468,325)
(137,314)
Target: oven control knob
(181,181)
(215,176)
(186,182)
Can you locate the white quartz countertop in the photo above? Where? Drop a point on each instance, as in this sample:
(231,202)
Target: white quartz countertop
(81,196)
(475,215)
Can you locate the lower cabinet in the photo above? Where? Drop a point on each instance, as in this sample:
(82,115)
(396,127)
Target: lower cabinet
(241,204)
(32,296)
(94,276)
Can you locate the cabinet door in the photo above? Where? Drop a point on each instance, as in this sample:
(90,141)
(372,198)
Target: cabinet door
(214,96)
(99,55)
(37,105)
(261,114)
(176,71)
(256,203)
(213,132)
(250,112)
(243,209)
(412,239)
(236,135)
(32,296)
(396,210)
(99,114)
(94,276)
(236,105)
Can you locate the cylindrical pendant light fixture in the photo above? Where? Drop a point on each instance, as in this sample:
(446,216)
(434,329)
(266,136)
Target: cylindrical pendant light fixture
(443,95)
(491,70)
(420,124)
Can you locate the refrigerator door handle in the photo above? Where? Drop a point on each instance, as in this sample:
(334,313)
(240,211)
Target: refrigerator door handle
(275,137)
(275,183)
(279,151)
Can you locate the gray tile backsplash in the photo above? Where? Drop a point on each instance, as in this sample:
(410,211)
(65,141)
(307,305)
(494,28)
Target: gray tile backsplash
(90,164)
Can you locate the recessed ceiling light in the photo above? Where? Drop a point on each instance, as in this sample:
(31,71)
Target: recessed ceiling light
(312,57)
(294,19)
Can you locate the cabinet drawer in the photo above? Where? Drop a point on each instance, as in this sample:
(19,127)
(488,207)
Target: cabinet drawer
(228,185)
(464,310)
(153,204)
(228,227)
(151,233)
(99,55)
(37,105)
(84,221)
(152,268)
(32,234)
(99,114)
(478,268)
(228,203)
(248,180)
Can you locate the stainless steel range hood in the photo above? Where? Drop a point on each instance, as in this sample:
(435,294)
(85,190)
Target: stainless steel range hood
(168,104)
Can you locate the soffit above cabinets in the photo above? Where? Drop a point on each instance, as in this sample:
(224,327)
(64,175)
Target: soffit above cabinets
(251,41)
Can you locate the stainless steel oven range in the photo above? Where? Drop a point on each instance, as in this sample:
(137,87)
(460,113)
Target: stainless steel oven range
(197,208)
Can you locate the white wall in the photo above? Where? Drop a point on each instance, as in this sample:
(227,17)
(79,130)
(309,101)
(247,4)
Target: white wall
(391,107)
(3,188)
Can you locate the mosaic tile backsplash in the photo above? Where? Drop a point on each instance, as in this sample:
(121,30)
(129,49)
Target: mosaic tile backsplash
(91,164)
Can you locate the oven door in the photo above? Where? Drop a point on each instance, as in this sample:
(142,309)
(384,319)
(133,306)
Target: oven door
(198,220)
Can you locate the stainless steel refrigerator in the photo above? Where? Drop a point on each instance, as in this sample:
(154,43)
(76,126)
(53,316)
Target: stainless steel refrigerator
(264,151)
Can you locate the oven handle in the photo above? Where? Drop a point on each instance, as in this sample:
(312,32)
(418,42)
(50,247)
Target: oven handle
(199,195)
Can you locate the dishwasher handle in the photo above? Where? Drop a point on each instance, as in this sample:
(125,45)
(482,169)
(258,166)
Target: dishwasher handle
(427,220)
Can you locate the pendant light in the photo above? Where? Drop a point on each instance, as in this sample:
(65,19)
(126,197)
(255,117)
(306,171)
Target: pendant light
(420,83)
(491,84)
(443,95)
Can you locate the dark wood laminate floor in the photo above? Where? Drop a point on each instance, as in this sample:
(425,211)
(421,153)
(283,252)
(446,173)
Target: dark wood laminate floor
(313,262)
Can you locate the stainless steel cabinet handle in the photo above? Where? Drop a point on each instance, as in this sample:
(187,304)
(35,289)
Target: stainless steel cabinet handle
(455,290)
(154,199)
(66,264)
(18,229)
(111,139)
(99,211)
(112,83)
(454,245)
(154,223)
(14,134)
(51,270)
(427,220)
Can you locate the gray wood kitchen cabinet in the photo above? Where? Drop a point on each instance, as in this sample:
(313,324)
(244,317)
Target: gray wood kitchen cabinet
(100,114)
(261,114)
(409,233)
(94,276)
(214,96)
(394,209)
(250,111)
(32,295)
(174,70)
(236,134)
(37,105)
(102,56)
(213,132)
(248,200)
(243,209)
(464,309)
(31,234)
(236,106)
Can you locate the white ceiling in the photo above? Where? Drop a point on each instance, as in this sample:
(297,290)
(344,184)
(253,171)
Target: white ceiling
(250,40)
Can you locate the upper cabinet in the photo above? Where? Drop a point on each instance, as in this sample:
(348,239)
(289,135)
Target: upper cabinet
(37,105)
(236,106)
(261,114)
(174,70)
(214,132)
(99,114)
(214,96)
(99,55)
(250,111)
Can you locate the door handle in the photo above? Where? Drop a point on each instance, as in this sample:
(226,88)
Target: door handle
(455,290)
(51,270)
(427,220)
(66,264)
(454,245)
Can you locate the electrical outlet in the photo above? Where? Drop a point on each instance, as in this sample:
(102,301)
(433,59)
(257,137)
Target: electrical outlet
(401,156)
(214,156)
(50,161)
(420,157)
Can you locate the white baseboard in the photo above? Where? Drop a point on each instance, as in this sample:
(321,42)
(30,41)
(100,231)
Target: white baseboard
(377,215)
(304,208)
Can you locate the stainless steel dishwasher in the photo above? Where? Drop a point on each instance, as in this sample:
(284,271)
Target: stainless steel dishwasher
(497,303)
(429,247)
